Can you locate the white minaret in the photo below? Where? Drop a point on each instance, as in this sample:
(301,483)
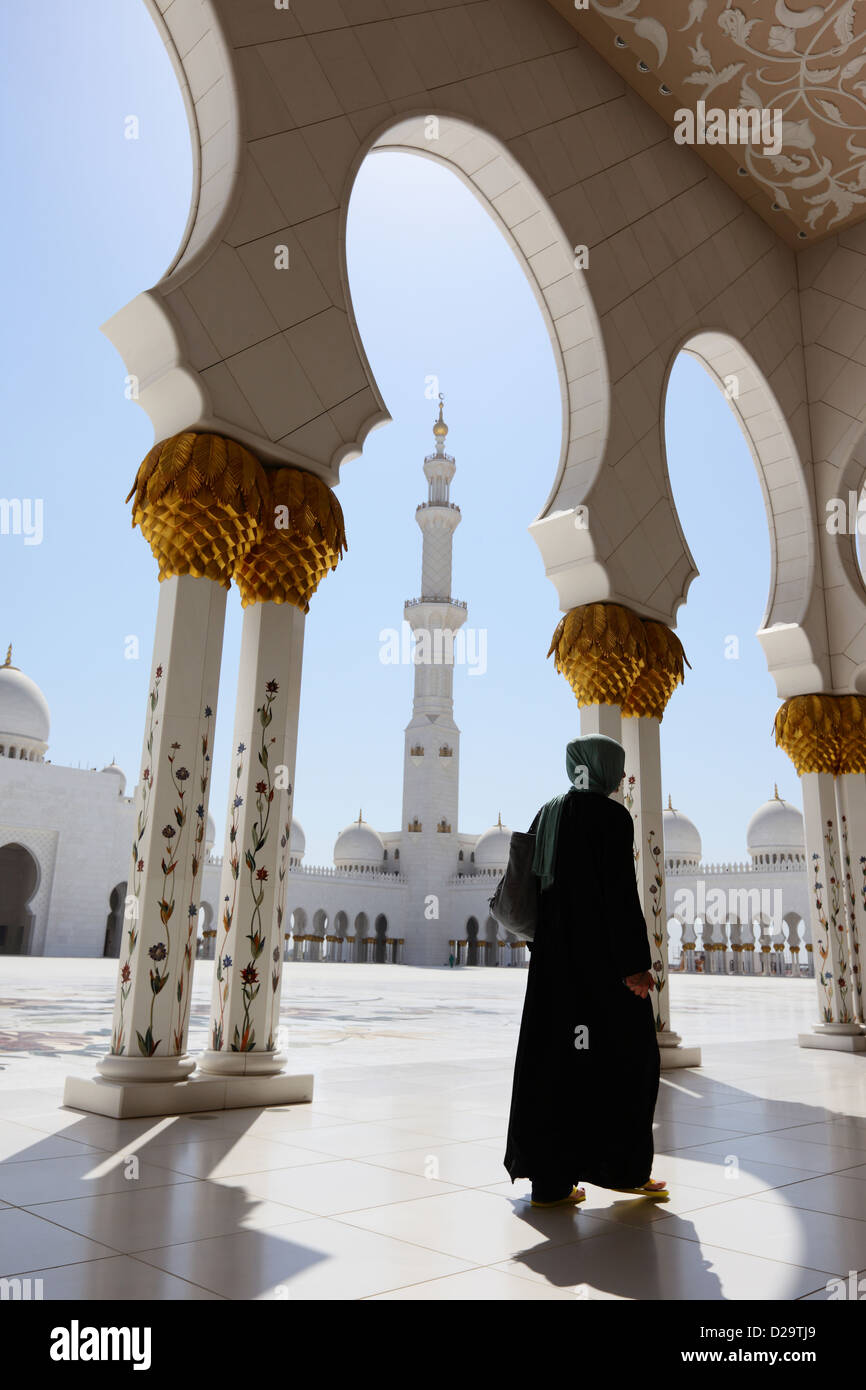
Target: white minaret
(432,755)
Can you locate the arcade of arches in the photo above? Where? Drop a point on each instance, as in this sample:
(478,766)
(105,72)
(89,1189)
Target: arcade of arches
(258,389)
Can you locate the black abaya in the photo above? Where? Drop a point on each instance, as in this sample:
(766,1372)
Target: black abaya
(586,1074)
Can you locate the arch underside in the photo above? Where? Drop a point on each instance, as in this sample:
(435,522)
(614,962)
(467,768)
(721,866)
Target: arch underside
(220,344)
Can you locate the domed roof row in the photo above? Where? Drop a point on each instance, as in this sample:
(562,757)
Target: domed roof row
(359,846)
(775,828)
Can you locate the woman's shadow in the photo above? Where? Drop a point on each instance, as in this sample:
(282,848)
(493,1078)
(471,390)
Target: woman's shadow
(636,1248)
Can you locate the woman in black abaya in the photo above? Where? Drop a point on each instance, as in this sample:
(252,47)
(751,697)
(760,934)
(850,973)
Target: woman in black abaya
(586,1074)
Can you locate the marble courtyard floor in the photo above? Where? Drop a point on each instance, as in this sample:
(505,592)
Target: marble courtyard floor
(391,1186)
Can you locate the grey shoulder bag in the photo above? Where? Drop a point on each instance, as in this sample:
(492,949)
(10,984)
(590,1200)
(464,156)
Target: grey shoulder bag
(515,902)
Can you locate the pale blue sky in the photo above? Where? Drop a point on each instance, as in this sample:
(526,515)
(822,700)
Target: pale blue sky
(95,219)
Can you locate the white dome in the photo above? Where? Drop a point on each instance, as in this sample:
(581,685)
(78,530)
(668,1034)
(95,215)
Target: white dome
(24,711)
(491,848)
(209,832)
(681,836)
(298,841)
(359,845)
(119,773)
(776,828)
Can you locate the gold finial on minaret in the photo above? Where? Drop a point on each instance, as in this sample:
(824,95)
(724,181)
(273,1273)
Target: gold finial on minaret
(499,822)
(670,805)
(360,816)
(8,661)
(440,429)
(776,796)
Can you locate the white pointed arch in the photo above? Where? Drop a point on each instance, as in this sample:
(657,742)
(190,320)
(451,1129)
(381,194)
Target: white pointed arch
(551,266)
(792,632)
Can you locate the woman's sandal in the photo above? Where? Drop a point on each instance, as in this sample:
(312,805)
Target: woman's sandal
(658,1190)
(574,1198)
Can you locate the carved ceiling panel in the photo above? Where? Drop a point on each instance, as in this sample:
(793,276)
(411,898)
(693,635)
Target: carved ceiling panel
(803,62)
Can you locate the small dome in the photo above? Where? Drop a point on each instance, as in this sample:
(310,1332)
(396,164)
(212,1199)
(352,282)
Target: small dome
(298,841)
(491,848)
(359,846)
(24,715)
(209,832)
(681,836)
(776,828)
(117,772)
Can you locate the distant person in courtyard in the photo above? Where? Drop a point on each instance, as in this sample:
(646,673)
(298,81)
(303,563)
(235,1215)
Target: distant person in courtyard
(586,1075)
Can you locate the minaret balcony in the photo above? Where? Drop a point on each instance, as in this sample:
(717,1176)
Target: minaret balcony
(438,516)
(435,613)
(435,598)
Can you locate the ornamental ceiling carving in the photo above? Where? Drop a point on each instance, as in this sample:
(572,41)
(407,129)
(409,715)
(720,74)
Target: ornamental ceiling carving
(807,61)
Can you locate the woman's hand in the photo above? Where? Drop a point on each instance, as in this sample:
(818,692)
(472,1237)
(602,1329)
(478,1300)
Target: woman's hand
(640,984)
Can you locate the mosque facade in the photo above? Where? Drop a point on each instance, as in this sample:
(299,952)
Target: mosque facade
(418,895)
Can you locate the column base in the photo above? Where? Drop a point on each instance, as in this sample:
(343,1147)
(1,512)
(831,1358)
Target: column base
(146,1069)
(672,1053)
(837,1037)
(242,1063)
(124,1100)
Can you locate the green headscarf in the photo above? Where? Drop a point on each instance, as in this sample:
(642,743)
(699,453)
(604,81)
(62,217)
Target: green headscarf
(594,763)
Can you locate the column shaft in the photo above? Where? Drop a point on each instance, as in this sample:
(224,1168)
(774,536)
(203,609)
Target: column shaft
(831,886)
(640,738)
(151,1012)
(248,976)
(852,799)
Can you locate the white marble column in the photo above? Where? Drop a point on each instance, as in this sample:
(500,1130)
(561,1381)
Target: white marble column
(765,941)
(748,932)
(737,944)
(688,947)
(851,788)
(643,796)
(250,932)
(151,1010)
(828,845)
(794,948)
(715,938)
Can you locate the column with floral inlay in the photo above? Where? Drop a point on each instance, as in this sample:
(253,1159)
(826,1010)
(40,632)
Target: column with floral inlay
(825,737)
(198,501)
(303,539)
